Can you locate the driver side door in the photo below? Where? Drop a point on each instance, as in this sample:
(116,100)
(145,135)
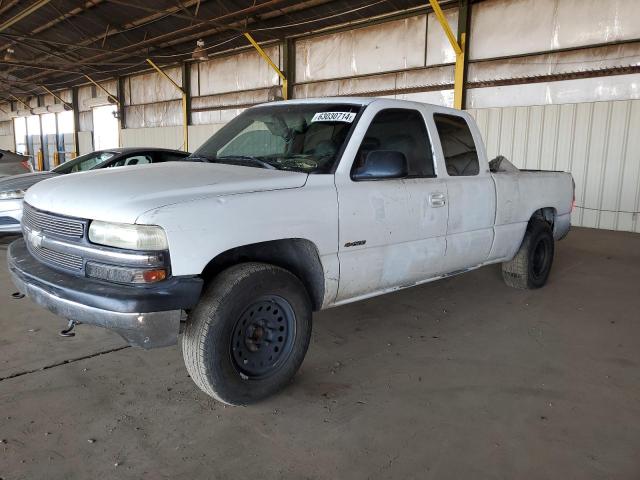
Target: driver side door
(392,232)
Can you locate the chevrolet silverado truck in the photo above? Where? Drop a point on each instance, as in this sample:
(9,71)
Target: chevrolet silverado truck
(290,208)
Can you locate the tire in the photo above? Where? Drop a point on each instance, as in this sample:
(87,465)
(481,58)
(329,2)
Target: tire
(248,334)
(531,266)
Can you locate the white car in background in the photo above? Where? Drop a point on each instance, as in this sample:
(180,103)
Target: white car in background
(13,188)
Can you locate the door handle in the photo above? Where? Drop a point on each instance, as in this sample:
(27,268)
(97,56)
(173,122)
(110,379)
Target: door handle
(437,200)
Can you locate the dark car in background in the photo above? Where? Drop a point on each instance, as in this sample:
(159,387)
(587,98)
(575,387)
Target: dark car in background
(13,163)
(13,188)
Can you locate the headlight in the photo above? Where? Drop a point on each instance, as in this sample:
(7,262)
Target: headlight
(11,195)
(132,237)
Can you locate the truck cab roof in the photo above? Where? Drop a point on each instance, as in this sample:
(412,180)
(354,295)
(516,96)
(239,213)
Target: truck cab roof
(365,101)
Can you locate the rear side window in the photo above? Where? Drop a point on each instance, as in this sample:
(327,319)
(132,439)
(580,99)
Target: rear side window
(460,154)
(403,131)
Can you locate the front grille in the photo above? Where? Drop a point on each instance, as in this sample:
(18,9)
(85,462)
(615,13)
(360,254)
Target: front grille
(64,260)
(51,224)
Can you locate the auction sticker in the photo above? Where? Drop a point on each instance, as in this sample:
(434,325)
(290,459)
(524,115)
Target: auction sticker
(347,117)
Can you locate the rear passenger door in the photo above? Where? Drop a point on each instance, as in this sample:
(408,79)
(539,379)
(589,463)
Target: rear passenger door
(471,192)
(392,231)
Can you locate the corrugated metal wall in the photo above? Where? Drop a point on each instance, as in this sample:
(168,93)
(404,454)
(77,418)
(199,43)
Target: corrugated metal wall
(161,137)
(167,137)
(7,142)
(597,142)
(85,142)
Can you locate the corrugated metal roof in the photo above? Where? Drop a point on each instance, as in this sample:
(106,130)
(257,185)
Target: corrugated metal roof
(56,42)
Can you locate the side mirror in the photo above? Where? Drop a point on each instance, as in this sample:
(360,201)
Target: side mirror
(382,165)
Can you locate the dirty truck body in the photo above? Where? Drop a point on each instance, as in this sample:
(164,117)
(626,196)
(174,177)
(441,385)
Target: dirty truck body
(292,207)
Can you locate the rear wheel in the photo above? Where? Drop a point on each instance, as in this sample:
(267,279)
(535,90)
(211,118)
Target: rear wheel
(531,266)
(249,333)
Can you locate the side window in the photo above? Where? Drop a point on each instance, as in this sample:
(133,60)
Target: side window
(131,160)
(402,131)
(460,155)
(138,160)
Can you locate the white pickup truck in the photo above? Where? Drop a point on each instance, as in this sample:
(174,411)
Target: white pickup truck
(292,207)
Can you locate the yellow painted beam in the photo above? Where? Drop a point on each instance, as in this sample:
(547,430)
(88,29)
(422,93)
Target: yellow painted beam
(458,76)
(445,26)
(114,99)
(458,82)
(162,72)
(56,96)
(28,107)
(185,120)
(266,57)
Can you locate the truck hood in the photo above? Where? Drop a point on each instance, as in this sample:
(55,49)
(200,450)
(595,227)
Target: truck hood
(23,181)
(123,194)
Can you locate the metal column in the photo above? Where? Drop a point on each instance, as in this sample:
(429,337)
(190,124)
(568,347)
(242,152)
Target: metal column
(459,46)
(185,100)
(271,64)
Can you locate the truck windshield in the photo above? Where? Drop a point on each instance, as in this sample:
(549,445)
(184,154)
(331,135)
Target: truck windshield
(300,137)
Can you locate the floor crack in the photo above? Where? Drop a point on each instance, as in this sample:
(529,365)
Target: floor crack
(64,362)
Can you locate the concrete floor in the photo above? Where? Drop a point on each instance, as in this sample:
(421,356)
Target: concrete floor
(463,378)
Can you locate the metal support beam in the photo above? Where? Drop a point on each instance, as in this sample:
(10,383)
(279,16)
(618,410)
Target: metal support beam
(113,99)
(262,53)
(122,116)
(26,105)
(25,13)
(185,101)
(186,88)
(289,62)
(55,96)
(464,26)
(459,47)
(76,119)
(41,153)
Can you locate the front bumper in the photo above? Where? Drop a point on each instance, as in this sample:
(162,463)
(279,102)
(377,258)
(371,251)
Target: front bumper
(145,316)
(10,215)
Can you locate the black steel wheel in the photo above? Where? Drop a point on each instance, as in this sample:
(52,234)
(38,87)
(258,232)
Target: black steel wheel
(248,335)
(531,266)
(540,257)
(263,337)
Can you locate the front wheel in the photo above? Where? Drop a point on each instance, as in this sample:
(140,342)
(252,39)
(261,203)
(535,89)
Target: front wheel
(531,266)
(248,335)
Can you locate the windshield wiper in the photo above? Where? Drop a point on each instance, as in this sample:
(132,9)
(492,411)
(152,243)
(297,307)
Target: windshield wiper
(246,158)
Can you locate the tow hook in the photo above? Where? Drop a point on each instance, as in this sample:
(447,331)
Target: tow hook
(17,295)
(68,332)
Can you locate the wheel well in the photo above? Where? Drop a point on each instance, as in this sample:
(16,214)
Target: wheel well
(297,255)
(547,214)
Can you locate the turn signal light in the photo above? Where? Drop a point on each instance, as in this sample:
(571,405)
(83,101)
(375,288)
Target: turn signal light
(151,276)
(112,273)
